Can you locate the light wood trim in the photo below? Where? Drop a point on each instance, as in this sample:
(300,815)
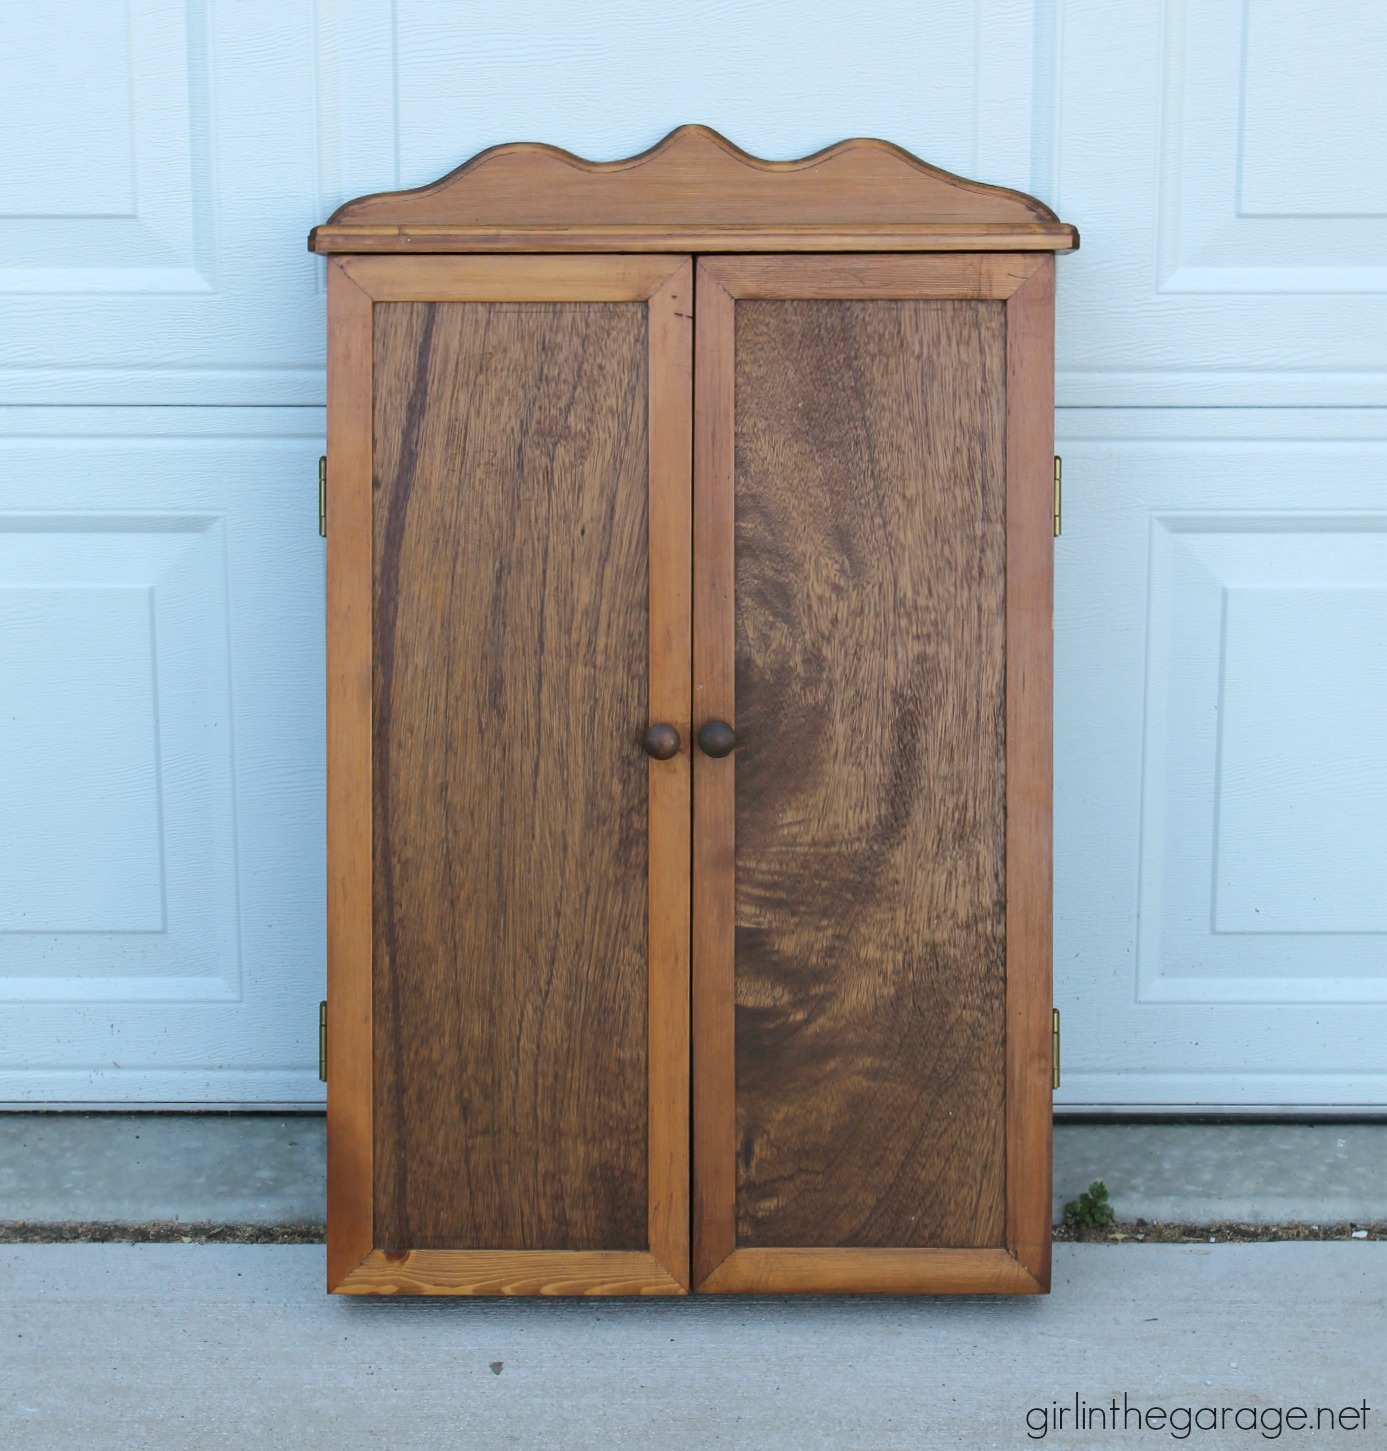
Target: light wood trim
(1030,647)
(510,1272)
(670,329)
(349,887)
(870,1272)
(882,237)
(966,277)
(714,1074)
(688,189)
(506,279)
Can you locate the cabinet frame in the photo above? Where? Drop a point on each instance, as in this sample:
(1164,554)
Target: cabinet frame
(354,1264)
(1025,283)
(528,222)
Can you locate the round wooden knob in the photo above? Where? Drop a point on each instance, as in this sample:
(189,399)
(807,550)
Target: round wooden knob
(717,738)
(661,741)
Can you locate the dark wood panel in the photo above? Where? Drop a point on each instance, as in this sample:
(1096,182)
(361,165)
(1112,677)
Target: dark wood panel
(510,789)
(870,816)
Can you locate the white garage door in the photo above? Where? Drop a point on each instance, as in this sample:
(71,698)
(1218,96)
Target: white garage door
(1222,667)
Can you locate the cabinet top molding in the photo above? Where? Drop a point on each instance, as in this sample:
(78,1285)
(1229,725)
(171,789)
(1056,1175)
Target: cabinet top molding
(696,192)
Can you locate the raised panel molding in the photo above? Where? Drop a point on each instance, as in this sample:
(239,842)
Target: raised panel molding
(1323,62)
(1220,161)
(1221,679)
(157,183)
(1268,185)
(1301,784)
(117,823)
(69,144)
(82,840)
(107,179)
(1263,784)
(161,816)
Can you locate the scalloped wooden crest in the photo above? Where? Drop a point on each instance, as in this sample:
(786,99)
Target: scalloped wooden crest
(695,190)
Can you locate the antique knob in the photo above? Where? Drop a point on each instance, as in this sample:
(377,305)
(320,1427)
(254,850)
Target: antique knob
(661,741)
(717,738)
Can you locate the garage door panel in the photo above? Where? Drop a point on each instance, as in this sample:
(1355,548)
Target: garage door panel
(161,814)
(1221,677)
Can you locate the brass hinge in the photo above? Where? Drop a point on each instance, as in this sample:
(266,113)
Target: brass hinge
(1059,512)
(1054,1048)
(322,496)
(322,1042)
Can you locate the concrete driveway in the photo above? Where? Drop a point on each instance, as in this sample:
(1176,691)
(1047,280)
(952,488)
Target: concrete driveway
(193,1346)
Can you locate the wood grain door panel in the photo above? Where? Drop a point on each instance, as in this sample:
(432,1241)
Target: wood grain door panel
(510,811)
(870,889)
(519,1119)
(871,971)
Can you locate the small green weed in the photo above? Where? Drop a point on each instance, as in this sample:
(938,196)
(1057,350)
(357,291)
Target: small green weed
(1090,1210)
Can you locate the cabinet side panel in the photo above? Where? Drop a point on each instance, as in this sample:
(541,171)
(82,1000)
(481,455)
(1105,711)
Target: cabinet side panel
(870,812)
(511,648)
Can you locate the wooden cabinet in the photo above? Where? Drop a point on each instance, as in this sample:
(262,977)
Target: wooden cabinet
(759,453)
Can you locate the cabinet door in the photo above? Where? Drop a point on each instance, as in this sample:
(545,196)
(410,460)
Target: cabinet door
(871,933)
(508,580)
